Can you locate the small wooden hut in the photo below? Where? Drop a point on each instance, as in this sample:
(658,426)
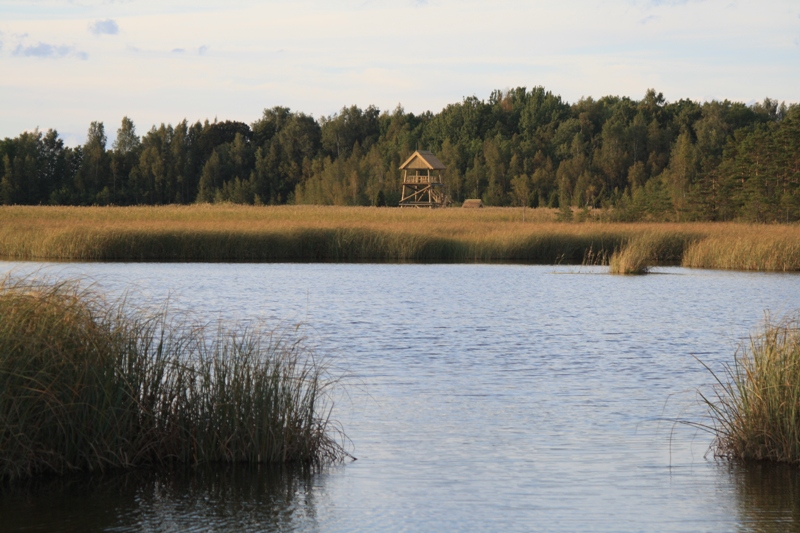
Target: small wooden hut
(422,181)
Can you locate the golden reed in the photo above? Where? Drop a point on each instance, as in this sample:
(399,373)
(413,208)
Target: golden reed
(352,234)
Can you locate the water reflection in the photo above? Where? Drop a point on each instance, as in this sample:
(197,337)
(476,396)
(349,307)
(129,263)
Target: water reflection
(768,497)
(214,498)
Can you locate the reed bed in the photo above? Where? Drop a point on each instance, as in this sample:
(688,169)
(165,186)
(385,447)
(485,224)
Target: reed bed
(86,385)
(208,233)
(751,247)
(756,408)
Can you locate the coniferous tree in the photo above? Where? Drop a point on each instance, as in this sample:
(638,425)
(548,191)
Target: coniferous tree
(649,158)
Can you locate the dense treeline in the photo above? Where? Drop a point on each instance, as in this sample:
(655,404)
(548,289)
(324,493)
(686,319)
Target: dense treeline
(646,159)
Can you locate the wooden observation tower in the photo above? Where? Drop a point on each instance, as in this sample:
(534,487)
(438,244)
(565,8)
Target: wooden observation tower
(422,181)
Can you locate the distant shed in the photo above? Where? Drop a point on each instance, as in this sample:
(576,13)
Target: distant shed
(422,181)
(471,204)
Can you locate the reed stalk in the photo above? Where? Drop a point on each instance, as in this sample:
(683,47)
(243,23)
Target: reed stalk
(756,407)
(86,385)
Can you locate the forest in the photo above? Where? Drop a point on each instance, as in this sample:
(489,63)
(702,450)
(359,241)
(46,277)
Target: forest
(638,160)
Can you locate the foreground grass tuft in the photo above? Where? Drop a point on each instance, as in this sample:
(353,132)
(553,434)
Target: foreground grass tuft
(756,411)
(87,386)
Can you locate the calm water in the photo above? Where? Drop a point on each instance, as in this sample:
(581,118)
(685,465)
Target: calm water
(480,398)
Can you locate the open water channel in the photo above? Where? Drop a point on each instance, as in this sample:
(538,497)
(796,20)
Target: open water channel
(478,398)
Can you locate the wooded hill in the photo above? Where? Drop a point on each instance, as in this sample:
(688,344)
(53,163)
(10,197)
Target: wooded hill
(645,159)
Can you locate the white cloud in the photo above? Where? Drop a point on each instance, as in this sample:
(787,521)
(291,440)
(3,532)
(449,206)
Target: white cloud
(104,27)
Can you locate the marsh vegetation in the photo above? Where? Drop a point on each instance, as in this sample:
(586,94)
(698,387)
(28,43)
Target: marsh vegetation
(208,233)
(91,385)
(756,407)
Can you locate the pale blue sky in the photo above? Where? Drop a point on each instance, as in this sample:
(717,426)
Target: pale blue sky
(66,63)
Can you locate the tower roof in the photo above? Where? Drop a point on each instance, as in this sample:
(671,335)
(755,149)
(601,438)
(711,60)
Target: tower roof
(423,159)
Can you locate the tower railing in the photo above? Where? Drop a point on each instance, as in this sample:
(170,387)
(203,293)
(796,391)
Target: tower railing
(421,179)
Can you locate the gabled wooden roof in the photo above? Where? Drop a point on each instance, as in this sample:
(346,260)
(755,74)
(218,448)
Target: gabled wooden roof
(423,159)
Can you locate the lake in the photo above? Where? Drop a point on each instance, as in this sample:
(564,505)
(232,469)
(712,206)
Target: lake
(475,398)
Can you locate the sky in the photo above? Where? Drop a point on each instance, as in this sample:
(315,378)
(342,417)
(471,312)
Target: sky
(66,63)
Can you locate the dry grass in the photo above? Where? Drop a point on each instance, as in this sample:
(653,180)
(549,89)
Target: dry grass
(86,385)
(632,259)
(748,247)
(649,248)
(352,234)
(756,410)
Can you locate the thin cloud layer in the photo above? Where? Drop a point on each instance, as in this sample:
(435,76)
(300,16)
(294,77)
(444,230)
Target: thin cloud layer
(104,27)
(47,50)
(200,58)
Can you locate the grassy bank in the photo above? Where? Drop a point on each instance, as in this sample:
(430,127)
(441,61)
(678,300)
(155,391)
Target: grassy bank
(347,234)
(756,410)
(87,385)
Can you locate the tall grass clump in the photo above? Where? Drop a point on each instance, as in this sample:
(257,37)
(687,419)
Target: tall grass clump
(633,258)
(756,409)
(647,249)
(87,385)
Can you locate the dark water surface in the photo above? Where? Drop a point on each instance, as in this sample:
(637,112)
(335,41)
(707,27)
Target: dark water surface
(479,398)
